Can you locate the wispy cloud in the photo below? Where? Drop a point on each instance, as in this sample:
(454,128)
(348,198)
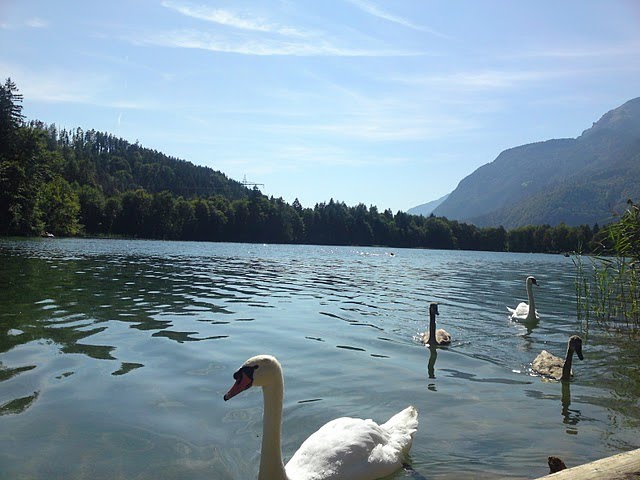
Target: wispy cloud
(376,126)
(259,46)
(399,130)
(581,52)
(251,34)
(481,80)
(33,22)
(63,86)
(52,86)
(243,21)
(36,23)
(372,9)
(288,157)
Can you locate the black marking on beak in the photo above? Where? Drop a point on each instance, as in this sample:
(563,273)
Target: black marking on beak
(244,380)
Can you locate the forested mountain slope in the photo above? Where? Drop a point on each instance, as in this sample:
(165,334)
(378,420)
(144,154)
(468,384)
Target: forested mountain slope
(101,159)
(575,181)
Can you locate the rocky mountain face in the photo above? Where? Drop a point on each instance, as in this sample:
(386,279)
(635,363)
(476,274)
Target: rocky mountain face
(585,180)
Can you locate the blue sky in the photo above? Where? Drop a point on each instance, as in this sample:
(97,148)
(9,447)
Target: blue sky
(386,103)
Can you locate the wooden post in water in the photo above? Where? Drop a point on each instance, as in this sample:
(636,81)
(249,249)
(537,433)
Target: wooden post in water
(623,466)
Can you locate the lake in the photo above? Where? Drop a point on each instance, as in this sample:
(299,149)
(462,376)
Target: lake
(115,355)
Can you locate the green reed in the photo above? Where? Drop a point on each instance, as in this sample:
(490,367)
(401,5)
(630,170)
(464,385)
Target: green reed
(608,285)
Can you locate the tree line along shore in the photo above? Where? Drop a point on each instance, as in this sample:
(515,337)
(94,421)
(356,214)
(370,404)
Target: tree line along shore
(87,183)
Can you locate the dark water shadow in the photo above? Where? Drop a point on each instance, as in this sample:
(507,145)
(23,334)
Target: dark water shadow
(349,347)
(570,416)
(7,373)
(433,356)
(18,405)
(472,378)
(127,367)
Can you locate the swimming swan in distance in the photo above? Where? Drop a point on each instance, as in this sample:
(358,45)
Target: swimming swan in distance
(523,311)
(343,449)
(555,367)
(441,336)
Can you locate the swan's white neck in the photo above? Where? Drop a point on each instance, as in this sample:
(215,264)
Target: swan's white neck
(271,465)
(532,303)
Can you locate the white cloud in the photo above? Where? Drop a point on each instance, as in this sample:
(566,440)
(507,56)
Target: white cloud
(251,34)
(36,23)
(289,157)
(387,125)
(372,9)
(33,22)
(482,80)
(260,47)
(50,86)
(581,52)
(63,86)
(243,21)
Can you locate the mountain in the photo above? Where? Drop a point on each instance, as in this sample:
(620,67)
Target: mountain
(582,180)
(426,208)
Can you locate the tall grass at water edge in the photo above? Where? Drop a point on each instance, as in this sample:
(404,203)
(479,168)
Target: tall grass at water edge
(608,285)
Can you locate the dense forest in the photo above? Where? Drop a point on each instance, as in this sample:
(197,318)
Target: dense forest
(71,183)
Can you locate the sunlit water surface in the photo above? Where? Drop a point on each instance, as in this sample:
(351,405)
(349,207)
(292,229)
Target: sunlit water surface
(115,355)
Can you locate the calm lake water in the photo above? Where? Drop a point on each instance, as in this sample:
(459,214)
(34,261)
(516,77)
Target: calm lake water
(115,355)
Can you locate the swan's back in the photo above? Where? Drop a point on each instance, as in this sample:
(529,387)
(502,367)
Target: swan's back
(355,449)
(521,312)
(442,337)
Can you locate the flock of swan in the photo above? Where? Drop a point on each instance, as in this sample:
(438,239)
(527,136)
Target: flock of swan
(352,448)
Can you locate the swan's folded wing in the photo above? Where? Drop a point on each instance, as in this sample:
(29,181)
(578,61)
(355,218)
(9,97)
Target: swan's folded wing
(521,311)
(443,337)
(350,448)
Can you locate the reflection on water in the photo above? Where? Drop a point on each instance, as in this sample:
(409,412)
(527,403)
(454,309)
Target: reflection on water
(433,356)
(18,405)
(528,325)
(571,416)
(116,354)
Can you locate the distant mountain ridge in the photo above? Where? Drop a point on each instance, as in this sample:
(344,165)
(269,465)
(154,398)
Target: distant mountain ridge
(427,208)
(574,181)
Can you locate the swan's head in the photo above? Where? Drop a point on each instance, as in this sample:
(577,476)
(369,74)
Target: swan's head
(433,309)
(575,345)
(532,281)
(258,371)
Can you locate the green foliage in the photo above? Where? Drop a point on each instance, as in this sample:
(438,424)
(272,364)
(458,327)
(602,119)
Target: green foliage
(10,117)
(59,207)
(608,287)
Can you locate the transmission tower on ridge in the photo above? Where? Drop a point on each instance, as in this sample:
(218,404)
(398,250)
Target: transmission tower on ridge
(247,184)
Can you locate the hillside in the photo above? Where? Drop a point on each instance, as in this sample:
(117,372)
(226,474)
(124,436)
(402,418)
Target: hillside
(115,165)
(575,181)
(427,208)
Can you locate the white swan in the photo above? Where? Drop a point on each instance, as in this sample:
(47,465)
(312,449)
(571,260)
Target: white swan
(555,367)
(441,336)
(523,311)
(344,448)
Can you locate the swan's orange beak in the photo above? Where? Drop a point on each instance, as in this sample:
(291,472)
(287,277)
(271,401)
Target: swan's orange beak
(243,382)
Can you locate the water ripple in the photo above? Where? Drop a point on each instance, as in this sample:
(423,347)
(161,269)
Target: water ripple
(150,333)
